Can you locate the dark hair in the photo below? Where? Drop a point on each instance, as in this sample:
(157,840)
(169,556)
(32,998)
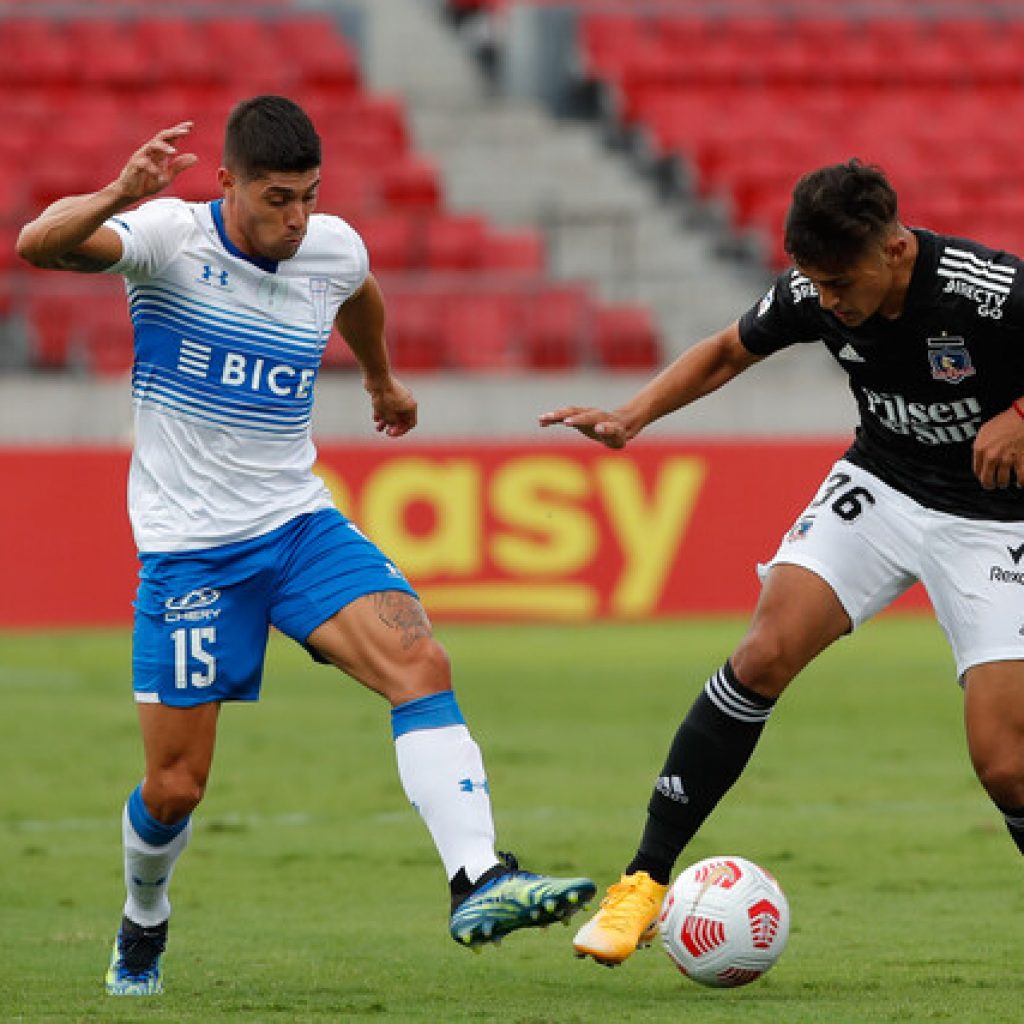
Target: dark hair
(269,133)
(837,214)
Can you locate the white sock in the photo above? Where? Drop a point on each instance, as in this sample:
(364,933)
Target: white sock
(443,775)
(147,873)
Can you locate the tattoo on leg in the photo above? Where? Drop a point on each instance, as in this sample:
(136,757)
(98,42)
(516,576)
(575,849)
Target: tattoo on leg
(398,610)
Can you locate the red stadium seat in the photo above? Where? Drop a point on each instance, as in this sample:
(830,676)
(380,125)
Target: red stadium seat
(625,338)
(55,176)
(751,32)
(337,355)
(364,141)
(390,238)
(415,333)
(556,326)
(35,51)
(346,189)
(685,32)
(481,332)
(454,242)
(336,118)
(410,184)
(897,34)
(825,31)
(8,238)
(164,106)
(107,340)
(236,36)
(11,187)
(179,51)
(106,55)
(50,322)
(322,57)
(516,251)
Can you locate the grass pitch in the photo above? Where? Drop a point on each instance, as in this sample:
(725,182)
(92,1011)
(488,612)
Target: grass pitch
(311,891)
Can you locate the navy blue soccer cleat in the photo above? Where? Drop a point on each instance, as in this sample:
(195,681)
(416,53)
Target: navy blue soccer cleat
(135,962)
(506,899)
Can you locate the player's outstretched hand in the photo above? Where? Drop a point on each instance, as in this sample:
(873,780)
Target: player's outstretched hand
(155,165)
(394,408)
(604,427)
(999,451)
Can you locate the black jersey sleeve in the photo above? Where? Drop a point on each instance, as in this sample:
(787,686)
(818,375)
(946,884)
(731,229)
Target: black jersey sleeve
(787,315)
(994,281)
(1013,340)
(1013,310)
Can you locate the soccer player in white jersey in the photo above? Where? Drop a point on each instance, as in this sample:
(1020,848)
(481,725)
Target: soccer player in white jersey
(232,303)
(930,330)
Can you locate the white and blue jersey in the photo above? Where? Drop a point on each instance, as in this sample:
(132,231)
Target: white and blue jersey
(233,528)
(227,350)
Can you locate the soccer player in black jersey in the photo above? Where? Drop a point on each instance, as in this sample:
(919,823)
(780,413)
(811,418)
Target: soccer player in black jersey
(930,330)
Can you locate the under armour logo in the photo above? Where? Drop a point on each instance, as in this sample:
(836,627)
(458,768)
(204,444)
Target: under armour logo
(468,785)
(220,277)
(1016,553)
(154,884)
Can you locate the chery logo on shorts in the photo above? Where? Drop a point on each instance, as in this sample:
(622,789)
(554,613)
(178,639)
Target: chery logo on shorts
(195,606)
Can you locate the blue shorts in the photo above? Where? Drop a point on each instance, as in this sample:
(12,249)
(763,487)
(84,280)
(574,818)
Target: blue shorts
(202,617)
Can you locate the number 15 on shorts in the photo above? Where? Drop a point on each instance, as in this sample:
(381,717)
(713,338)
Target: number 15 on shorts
(194,662)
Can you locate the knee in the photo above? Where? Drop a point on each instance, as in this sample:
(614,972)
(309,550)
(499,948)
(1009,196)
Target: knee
(173,793)
(763,662)
(1001,772)
(427,671)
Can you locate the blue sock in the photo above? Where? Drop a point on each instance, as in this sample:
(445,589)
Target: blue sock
(433,712)
(154,832)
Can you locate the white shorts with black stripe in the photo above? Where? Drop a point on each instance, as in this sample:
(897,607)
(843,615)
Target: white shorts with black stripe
(870,543)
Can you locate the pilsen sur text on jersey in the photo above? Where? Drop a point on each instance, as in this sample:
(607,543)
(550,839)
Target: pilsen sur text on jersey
(927,422)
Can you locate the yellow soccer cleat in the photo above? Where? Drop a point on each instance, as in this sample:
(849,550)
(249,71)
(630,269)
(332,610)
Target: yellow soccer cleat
(627,920)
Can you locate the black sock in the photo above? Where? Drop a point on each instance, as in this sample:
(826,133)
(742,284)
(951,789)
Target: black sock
(1014,817)
(460,886)
(708,754)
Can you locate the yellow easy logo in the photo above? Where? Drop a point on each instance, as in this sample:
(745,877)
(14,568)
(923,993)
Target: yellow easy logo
(533,534)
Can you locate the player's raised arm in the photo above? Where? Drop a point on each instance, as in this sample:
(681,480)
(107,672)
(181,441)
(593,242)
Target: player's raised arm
(361,323)
(70,234)
(697,372)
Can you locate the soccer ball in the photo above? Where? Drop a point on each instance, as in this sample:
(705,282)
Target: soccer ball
(724,922)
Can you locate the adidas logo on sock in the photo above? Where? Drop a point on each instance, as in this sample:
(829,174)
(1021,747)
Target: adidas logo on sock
(672,787)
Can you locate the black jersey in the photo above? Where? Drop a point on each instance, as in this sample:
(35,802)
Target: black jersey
(927,380)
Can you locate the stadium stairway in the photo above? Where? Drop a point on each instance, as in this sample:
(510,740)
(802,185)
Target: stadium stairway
(511,161)
(603,222)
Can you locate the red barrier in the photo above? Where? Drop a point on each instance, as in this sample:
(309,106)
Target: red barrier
(66,551)
(569,532)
